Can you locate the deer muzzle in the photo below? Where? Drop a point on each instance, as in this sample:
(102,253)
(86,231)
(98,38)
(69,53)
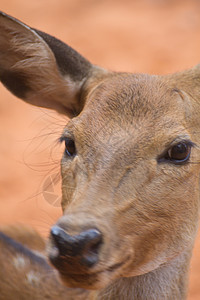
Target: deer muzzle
(80,250)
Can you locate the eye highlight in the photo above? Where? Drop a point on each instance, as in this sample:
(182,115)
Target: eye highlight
(70,148)
(177,154)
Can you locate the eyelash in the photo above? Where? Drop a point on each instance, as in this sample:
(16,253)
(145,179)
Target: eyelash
(177,154)
(70,147)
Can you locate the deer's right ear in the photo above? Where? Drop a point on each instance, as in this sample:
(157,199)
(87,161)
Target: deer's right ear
(40,69)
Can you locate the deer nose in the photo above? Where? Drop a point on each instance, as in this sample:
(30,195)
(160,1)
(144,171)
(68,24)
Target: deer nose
(85,246)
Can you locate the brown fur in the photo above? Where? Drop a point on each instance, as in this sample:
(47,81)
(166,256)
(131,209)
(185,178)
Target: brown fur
(146,209)
(26,236)
(31,276)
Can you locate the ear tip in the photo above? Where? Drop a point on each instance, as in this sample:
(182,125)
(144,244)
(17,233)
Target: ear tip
(197,66)
(4,15)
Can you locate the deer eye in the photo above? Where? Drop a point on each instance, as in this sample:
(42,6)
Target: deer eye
(177,154)
(70,148)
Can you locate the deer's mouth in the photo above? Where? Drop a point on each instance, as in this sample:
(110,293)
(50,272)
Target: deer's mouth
(82,260)
(92,280)
(76,275)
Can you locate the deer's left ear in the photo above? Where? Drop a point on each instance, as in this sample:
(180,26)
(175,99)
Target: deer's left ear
(40,69)
(187,81)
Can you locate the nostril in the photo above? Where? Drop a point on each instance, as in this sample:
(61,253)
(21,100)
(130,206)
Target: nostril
(64,242)
(93,240)
(85,246)
(92,245)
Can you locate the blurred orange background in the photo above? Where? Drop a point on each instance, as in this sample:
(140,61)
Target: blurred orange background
(151,36)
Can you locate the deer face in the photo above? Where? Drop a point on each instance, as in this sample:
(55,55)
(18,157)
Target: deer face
(130,171)
(133,155)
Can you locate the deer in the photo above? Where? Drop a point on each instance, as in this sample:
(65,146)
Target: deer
(130,175)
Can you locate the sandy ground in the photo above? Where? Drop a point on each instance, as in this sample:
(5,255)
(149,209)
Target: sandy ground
(151,36)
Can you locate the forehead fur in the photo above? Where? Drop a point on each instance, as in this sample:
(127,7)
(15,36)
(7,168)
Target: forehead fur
(124,102)
(134,109)
(130,96)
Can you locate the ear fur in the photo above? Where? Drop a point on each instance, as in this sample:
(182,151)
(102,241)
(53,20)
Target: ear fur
(40,69)
(187,81)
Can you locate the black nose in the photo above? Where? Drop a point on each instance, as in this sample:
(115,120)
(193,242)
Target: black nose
(85,246)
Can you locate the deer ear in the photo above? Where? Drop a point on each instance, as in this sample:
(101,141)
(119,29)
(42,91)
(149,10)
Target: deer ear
(40,69)
(187,81)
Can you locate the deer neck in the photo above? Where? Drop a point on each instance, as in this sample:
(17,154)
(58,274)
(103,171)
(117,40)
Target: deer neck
(167,282)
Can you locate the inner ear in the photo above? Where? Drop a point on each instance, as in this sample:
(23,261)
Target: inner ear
(40,69)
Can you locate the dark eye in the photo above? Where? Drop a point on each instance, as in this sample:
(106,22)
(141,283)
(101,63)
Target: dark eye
(70,148)
(178,154)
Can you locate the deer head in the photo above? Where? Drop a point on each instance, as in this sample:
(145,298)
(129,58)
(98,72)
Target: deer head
(130,170)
